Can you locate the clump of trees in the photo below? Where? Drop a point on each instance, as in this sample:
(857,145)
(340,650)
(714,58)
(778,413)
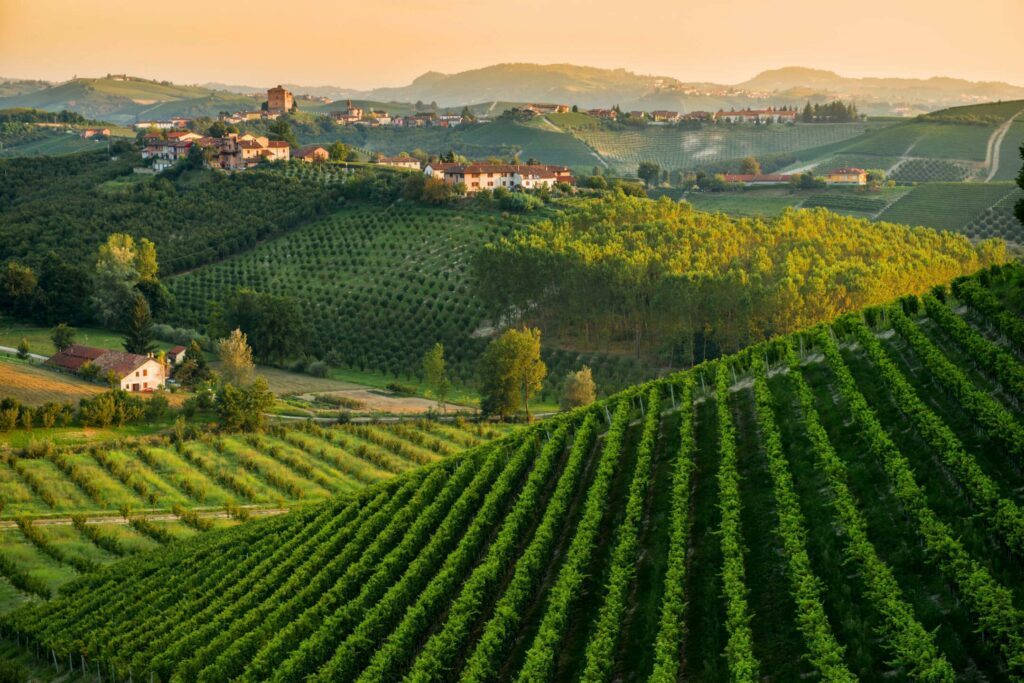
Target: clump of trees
(679,285)
(831,112)
(435,374)
(511,372)
(578,389)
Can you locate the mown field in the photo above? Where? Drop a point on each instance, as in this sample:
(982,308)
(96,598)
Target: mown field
(73,508)
(841,504)
(33,385)
(49,144)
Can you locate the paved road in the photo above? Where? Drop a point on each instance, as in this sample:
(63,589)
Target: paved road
(14,352)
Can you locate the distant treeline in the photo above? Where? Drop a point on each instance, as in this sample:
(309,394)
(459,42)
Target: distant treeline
(39,116)
(832,112)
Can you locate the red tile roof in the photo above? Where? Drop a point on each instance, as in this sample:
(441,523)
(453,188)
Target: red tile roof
(74,357)
(120,362)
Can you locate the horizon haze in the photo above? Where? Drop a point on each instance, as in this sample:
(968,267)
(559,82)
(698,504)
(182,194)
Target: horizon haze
(358,47)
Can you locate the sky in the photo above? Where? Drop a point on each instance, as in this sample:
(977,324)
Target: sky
(388,43)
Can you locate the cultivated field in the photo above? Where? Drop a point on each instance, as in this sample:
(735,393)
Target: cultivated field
(676,148)
(35,386)
(169,490)
(948,206)
(843,504)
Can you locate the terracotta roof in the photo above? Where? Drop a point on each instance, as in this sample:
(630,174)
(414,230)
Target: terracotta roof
(175,350)
(75,356)
(120,362)
(277,143)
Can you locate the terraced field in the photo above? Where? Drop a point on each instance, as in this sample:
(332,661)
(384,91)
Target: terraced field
(687,149)
(843,504)
(75,508)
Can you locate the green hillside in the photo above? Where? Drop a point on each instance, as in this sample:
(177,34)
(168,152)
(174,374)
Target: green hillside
(842,504)
(171,488)
(123,101)
(681,148)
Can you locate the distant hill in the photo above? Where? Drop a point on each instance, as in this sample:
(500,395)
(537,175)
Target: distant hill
(10,87)
(125,100)
(937,90)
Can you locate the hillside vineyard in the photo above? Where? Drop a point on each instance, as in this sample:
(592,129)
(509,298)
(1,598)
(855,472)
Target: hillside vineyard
(843,503)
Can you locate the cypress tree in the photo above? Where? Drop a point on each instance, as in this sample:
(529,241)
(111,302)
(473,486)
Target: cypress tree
(139,338)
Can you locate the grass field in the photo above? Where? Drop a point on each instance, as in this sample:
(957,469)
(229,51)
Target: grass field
(687,149)
(1010,159)
(843,505)
(155,479)
(50,144)
(13,331)
(935,140)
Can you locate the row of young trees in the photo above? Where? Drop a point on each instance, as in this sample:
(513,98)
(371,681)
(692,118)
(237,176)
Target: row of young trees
(679,285)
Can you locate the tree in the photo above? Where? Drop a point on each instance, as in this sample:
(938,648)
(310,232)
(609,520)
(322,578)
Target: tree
(193,368)
(511,371)
(116,274)
(808,114)
(435,375)
(242,409)
(139,337)
(280,130)
(467,115)
(236,359)
(18,284)
(1020,182)
(272,323)
(750,166)
(63,336)
(338,151)
(217,129)
(649,172)
(23,349)
(579,389)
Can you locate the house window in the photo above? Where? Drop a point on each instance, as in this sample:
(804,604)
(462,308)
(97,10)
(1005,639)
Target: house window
(136,373)
(145,385)
(145,372)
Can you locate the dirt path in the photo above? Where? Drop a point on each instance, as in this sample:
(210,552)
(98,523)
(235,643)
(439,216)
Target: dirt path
(153,517)
(995,143)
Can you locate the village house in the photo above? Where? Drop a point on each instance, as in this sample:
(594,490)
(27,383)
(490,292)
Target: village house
(168,124)
(846,176)
(770,115)
(664,116)
(400,162)
(543,109)
(697,116)
(450,119)
(609,114)
(134,372)
(477,177)
(279,101)
(175,355)
(350,115)
(95,132)
(312,153)
(234,152)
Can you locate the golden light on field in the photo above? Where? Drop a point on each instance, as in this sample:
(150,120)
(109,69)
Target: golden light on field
(374,44)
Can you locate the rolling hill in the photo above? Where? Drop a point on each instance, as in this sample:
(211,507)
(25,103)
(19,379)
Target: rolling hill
(124,101)
(71,504)
(839,504)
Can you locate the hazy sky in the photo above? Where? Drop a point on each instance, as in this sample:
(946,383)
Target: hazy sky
(362,44)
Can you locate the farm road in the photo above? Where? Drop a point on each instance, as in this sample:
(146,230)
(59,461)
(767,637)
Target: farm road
(995,144)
